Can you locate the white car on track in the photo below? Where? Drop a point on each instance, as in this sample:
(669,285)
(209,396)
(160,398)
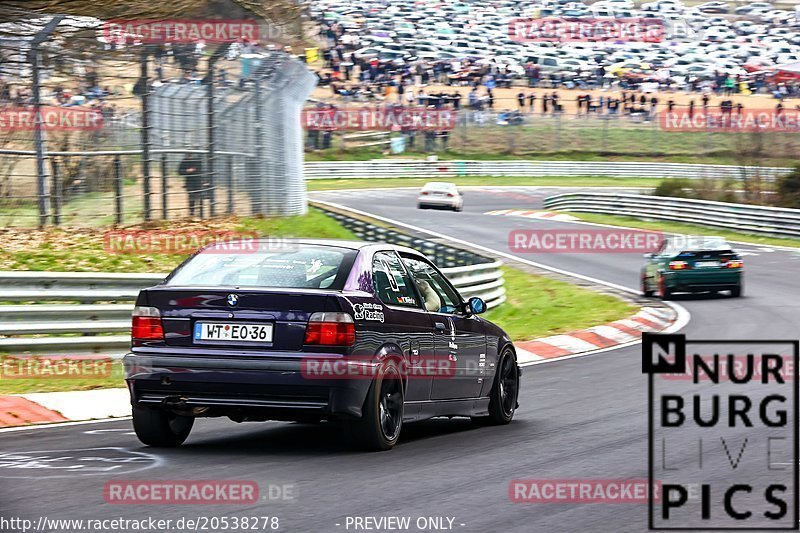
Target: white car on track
(440,194)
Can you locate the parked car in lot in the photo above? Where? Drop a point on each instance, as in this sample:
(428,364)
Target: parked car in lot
(368,335)
(440,194)
(692,264)
(713,7)
(753,8)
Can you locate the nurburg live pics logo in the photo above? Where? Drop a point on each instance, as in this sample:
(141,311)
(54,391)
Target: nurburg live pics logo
(723,444)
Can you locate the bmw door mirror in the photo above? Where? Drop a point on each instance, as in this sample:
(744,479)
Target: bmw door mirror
(476,306)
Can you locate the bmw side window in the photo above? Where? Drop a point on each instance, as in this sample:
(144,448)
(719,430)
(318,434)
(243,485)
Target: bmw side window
(437,294)
(392,284)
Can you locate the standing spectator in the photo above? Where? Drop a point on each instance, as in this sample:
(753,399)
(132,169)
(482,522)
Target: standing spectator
(521,101)
(653,105)
(191,168)
(531,101)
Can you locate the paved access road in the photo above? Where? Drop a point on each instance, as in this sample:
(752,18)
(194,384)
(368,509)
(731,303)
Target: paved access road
(581,418)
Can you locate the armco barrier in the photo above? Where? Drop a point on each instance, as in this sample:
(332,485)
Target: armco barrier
(105,327)
(749,218)
(421,168)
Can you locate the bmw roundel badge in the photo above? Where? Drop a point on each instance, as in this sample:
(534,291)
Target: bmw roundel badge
(233,300)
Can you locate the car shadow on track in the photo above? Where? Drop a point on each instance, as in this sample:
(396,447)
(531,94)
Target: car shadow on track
(701,296)
(287,438)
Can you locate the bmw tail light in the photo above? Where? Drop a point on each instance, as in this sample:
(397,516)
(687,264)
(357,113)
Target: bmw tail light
(424,193)
(451,195)
(735,263)
(678,265)
(330,329)
(146,324)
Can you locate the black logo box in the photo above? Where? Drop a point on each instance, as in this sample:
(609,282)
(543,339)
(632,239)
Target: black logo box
(674,345)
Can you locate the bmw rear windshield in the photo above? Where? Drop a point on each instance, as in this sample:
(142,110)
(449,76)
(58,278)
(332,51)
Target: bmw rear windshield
(292,267)
(693,243)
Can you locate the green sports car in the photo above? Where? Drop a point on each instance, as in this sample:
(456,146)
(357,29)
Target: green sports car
(692,264)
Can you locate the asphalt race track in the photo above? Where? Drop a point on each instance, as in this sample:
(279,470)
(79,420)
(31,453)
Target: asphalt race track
(582,418)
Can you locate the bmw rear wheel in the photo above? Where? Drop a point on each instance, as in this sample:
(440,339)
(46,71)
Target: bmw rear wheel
(159,428)
(382,416)
(646,291)
(664,291)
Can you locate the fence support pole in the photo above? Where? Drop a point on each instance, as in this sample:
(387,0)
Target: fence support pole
(258,192)
(654,135)
(145,89)
(558,130)
(211,173)
(56,192)
(164,186)
(229,184)
(42,191)
(117,190)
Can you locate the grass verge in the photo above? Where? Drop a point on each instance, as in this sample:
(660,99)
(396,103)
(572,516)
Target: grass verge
(85,250)
(538,306)
(678,227)
(49,375)
(487,181)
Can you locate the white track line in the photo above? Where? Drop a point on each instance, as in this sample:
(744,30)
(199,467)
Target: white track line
(56,425)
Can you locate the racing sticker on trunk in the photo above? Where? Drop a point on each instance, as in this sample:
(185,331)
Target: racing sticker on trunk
(368,311)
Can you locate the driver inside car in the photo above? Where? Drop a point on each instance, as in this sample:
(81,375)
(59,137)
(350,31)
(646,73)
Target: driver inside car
(432,301)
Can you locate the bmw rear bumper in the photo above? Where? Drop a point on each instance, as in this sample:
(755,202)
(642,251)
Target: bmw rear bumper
(425,201)
(693,281)
(256,388)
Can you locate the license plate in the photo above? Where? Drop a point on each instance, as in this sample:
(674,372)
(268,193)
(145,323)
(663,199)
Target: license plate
(705,264)
(207,331)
